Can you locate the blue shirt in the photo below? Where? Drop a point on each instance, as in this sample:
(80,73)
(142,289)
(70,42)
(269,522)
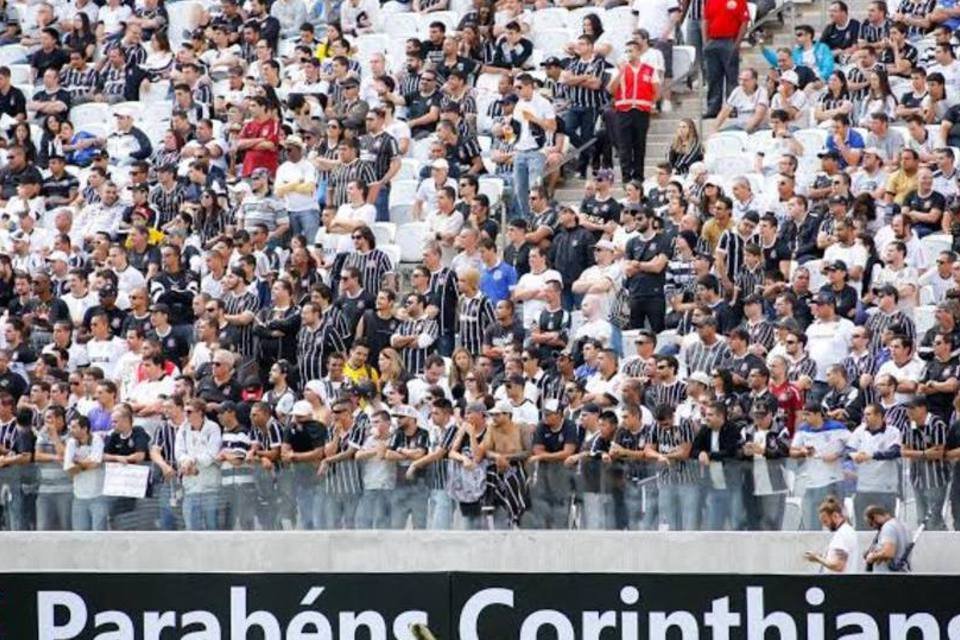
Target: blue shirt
(496,282)
(854,141)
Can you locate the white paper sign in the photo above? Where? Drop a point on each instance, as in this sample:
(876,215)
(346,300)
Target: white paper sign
(125,480)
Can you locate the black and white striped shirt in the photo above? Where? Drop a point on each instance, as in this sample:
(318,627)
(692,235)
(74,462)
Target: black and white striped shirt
(916,9)
(409,83)
(762,333)
(857,365)
(372,266)
(165,439)
(414,357)
(670,394)
(78,83)
(344,175)
(668,440)
(443,293)
(270,437)
(805,366)
(315,345)
(872,33)
(749,281)
(475,315)
(237,442)
(344,477)
(382,149)
(234,304)
(879,322)
(588,98)
(437,474)
(112,81)
(166,203)
(733,244)
(700,357)
(927,474)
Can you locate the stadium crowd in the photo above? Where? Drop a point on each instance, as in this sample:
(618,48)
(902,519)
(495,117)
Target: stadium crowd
(201,267)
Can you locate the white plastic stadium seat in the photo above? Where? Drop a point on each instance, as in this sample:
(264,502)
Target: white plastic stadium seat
(13,54)
(21,74)
(924,318)
(492,188)
(620,15)
(730,166)
(420,149)
(488,82)
(726,143)
(549,18)
(392,251)
(575,19)
(183,16)
(371,43)
(384,232)
(817,279)
(401,199)
(552,41)
(448,18)
(812,139)
(92,112)
(412,237)
(401,25)
(684,57)
(409,169)
(934,243)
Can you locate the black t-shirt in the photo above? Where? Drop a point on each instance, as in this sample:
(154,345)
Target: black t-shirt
(134,442)
(305,436)
(42,60)
(846,300)
(13,102)
(940,404)
(742,366)
(645,284)
(837,38)
(926,204)
(141,261)
(953,117)
(554,441)
(115,318)
(13,384)
(10,180)
(210,391)
(776,252)
(419,105)
(378,332)
(600,211)
(173,346)
(58,95)
(518,258)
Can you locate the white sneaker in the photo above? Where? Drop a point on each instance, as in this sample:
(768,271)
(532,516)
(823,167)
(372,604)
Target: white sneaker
(666,106)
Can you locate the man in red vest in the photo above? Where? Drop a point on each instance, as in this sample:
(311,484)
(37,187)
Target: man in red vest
(724,25)
(635,88)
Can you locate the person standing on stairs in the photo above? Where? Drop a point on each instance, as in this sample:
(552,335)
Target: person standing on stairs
(635,89)
(723,26)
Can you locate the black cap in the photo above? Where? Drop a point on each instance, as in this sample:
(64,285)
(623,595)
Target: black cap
(836,265)
(887,290)
(350,81)
(552,61)
(829,154)
(517,379)
(590,407)
(160,307)
(228,406)
(812,406)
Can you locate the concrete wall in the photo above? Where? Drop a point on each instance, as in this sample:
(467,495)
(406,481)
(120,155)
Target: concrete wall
(508,551)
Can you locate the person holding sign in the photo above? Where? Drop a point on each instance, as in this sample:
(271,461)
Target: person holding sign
(126,444)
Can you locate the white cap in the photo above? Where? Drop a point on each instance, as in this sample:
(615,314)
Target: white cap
(439,163)
(551,406)
(502,406)
(58,256)
(701,377)
(404,411)
(791,77)
(315,387)
(605,244)
(125,112)
(302,409)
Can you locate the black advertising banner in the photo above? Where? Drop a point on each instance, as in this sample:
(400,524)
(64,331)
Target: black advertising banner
(217,606)
(464,606)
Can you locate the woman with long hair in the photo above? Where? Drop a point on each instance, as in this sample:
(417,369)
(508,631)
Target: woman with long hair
(835,100)
(326,151)
(22,136)
(277,327)
(461,363)
(390,365)
(48,141)
(879,98)
(685,148)
(80,37)
(301,267)
(592,26)
(211,217)
(168,151)
(160,60)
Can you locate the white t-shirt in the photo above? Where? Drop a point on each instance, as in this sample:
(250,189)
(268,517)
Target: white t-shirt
(844,540)
(427,193)
(365,213)
(292,173)
(853,256)
(746,105)
(912,370)
(541,108)
(533,307)
(824,441)
(106,354)
(400,131)
(876,475)
(78,306)
(654,16)
(828,344)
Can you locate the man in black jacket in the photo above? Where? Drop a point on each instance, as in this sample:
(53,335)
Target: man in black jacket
(717,447)
(571,253)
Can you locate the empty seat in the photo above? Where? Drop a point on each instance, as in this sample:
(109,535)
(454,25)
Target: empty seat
(409,169)
(492,188)
(13,54)
(934,243)
(183,16)
(552,41)
(92,112)
(450,19)
(412,237)
(726,143)
(549,18)
(392,251)
(401,26)
(813,140)
(384,232)
(924,318)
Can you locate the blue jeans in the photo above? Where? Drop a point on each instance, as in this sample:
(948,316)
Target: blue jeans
(239,506)
(382,204)
(408,501)
(440,508)
(580,124)
(53,511)
(164,493)
(598,511)
(200,511)
(89,514)
(930,505)
(771,508)
(527,172)
(373,510)
(570,300)
(305,223)
(445,345)
(680,506)
(640,501)
(340,510)
(812,498)
(719,508)
(305,496)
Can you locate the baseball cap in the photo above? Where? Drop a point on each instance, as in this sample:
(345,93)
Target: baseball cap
(404,411)
(349,81)
(301,409)
(476,407)
(836,265)
(791,77)
(552,61)
(260,172)
(293,141)
(828,153)
(315,387)
(160,307)
(439,163)
(123,112)
(552,406)
(605,244)
(58,256)
(502,406)
(605,174)
(228,407)
(874,152)
(701,377)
